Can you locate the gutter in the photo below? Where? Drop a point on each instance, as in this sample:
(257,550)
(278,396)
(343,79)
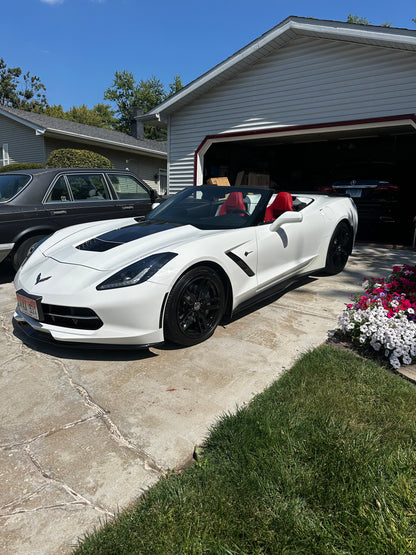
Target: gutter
(123,146)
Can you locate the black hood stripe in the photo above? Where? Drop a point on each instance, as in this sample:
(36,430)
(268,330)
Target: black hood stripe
(124,235)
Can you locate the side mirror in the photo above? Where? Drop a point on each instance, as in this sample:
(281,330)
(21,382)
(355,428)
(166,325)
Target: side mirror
(154,195)
(286,218)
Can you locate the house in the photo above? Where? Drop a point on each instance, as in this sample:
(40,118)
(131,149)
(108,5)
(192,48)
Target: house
(307,103)
(29,137)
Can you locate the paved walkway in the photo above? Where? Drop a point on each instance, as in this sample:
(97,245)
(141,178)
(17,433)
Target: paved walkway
(83,433)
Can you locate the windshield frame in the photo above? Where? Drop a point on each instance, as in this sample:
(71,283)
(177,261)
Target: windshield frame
(213,196)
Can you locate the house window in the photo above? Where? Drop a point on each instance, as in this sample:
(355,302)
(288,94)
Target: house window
(163,183)
(5,155)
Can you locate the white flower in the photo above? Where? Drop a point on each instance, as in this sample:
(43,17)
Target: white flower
(394,361)
(397,335)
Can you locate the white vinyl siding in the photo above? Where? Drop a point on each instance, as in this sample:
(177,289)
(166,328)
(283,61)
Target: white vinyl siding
(307,81)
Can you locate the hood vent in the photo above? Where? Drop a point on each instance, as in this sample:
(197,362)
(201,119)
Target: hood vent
(123,235)
(97,245)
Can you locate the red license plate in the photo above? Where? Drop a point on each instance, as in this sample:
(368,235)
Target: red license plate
(28,305)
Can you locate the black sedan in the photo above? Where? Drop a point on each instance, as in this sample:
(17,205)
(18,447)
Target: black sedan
(383,214)
(35,203)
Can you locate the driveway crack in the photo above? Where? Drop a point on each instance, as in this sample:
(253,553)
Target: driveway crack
(103,415)
(67,426)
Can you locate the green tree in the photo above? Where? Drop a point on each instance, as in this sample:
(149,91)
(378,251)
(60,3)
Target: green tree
(19,90)
(106,114)
(54,111)
(100,116)
(175,86)
(364,21)
(127,94)
(357,19)
(122,93)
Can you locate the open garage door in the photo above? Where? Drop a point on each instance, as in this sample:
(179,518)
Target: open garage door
(374,164)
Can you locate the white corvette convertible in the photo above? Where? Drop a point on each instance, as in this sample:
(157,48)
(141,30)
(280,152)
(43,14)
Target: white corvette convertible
(193,262)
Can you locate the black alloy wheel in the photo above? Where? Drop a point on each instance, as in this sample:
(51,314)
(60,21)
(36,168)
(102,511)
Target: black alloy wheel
(339,249)
(195,306)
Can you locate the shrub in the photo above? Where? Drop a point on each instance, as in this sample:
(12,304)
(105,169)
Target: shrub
(385,317)
(21,166)
(73,158)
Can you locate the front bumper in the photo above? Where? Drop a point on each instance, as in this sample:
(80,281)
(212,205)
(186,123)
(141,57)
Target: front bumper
(131,316)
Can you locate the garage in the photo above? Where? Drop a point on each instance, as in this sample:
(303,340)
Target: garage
(311,104)
(314,159)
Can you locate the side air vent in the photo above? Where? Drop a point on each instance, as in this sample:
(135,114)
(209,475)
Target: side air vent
(240,262)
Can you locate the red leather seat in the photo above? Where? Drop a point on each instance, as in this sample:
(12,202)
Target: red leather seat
(282,203)
(233,202)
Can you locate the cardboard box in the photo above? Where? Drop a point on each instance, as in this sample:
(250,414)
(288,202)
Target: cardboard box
(222,181)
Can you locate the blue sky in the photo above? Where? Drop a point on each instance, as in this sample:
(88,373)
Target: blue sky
(76,46)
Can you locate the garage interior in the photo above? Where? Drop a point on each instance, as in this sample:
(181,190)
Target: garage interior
(312,162)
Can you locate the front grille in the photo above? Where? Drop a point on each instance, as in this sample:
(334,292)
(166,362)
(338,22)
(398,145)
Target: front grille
(71,317)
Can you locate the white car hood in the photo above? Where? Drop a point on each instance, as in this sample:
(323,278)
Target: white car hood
(115,248)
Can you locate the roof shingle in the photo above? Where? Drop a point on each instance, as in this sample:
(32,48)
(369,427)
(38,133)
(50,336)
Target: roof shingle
(72,128)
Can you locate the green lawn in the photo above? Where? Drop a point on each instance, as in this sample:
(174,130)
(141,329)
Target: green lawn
(323,461)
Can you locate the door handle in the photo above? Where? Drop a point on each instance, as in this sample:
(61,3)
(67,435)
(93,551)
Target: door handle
(127,207)
(58,212)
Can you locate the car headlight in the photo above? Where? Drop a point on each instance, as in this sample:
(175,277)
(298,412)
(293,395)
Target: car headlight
(138,272)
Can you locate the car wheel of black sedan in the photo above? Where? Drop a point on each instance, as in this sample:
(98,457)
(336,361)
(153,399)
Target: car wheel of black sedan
(339,249)
(22,250)
(195,306)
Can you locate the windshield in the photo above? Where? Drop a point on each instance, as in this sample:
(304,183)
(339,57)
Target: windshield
(213,207)
(11,184)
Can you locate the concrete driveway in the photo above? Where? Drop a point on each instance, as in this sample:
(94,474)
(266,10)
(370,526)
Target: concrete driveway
(83,433)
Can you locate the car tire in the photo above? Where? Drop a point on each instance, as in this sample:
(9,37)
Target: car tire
(195,306)
(339,249)
(21,252)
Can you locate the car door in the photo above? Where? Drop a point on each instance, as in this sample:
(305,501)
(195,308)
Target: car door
(76,198)
(288,250)
(134,196)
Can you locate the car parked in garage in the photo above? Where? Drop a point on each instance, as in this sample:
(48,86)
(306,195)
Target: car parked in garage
(35,203)
(380,210)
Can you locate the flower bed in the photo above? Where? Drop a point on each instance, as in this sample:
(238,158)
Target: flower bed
(384,318)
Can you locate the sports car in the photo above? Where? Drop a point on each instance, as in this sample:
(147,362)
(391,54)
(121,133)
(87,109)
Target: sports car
(193,262)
